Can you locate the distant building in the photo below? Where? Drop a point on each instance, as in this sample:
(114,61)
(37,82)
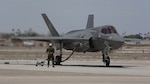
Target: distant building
(145,42)
(40,44)
(2,42)
(5,40)
(21,43)
(147,37)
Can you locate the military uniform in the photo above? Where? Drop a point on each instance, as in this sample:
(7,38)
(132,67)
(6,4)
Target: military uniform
(50,50)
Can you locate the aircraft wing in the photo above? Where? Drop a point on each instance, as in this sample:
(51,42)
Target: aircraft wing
(49,39)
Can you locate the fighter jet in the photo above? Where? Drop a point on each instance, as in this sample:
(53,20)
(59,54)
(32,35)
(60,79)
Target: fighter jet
(91,39)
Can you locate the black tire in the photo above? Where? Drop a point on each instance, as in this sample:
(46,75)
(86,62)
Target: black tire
(57,60)
(107,61)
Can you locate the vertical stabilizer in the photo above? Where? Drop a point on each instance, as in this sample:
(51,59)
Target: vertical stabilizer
(90,22)
(50,25)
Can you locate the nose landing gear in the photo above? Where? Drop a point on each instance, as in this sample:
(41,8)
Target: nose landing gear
(106,58)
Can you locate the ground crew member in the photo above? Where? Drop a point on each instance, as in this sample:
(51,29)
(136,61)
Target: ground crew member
(50,50)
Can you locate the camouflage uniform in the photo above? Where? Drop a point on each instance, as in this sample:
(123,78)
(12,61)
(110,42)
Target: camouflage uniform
(50,50)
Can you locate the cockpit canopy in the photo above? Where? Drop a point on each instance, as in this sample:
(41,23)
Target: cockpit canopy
(108,30)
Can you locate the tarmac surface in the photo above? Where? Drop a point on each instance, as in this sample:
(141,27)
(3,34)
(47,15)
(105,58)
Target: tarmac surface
(130,65)
(75,72)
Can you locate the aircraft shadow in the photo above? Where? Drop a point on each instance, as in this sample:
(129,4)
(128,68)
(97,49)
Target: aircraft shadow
(80,65)
(111,66)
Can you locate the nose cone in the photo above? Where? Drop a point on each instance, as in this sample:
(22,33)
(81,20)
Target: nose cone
(120,39)
(117,38)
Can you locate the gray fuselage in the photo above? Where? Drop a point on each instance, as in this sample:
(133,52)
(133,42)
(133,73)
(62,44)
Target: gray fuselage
(98,37)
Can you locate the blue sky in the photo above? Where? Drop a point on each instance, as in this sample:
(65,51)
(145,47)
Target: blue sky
(131,16)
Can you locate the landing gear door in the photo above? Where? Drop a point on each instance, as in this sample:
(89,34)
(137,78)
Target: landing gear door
(91,43)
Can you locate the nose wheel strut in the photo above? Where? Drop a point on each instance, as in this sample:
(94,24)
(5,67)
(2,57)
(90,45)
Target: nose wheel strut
(105,52)
(106,60)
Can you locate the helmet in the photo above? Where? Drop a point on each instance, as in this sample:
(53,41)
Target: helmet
(50,44)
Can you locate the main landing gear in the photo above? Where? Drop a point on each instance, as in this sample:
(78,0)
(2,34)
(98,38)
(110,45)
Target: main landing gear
(58,58)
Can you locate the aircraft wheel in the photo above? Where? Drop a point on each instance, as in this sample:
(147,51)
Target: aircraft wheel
(58,60)
(107,61)
(37,64)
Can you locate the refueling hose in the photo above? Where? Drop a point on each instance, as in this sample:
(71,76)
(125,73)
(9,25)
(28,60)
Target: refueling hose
(69,55)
